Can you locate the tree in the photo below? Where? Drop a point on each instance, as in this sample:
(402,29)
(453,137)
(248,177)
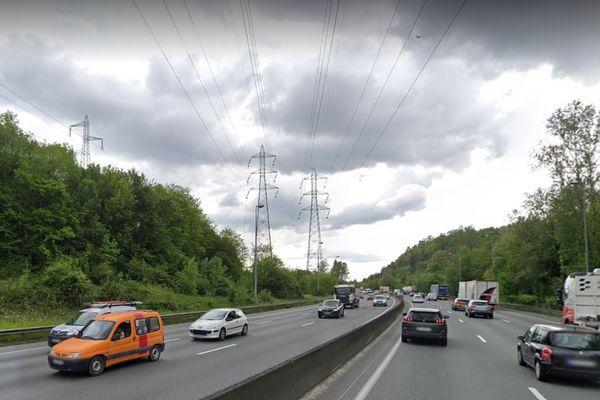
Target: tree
(340,271)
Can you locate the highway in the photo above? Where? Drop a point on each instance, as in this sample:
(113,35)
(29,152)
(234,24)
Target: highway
(187,369)
(478,363)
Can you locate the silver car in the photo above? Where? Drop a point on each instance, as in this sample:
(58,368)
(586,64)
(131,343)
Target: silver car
(479,307)
(380,300)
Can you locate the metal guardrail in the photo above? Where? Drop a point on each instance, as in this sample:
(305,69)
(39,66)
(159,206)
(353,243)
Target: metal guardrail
(524,307)
(167,317)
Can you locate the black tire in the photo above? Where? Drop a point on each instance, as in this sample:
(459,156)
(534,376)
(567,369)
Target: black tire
(154,353)
(540,374)
(320,315)
(491,316)
(222,334)
(520,357)
(96,366)
(444,342)
(404,339)
(469,315)
(245,330)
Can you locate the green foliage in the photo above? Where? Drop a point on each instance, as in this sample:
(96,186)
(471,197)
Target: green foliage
(68,284)
(264,296)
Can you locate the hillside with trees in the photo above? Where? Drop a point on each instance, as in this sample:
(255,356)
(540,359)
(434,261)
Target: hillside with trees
(543,243)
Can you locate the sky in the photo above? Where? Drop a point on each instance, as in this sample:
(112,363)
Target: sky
(422,115)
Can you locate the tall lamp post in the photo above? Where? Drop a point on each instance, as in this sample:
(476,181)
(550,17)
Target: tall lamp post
(256,251)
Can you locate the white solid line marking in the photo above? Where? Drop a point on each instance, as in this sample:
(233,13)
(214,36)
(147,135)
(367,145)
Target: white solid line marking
(482,339)
(21,351)
(172,340)
(461,321)
(507,321)
(310,323)
(368,386)
(217,349)
(262,323)
(537,394)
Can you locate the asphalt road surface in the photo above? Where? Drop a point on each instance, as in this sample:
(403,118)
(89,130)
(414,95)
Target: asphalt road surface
(478,363)
(187,369)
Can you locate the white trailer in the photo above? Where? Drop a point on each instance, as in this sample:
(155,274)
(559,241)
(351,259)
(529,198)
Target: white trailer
(581,299)
(480,290)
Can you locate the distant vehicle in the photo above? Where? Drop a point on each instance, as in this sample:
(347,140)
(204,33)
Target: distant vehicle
(110,339)
(560,351)
(480,290)
(460,303)
(409,289)
(219,323)
(442,292)
(425,323)
(398,292)
(580,298)
(418,298)
(479,307)
(384,289)
(432,297)
(72,327)
(331,308)
(380,300)
(347,295)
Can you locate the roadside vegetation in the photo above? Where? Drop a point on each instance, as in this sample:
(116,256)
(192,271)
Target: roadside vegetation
(544,242)
(71,235)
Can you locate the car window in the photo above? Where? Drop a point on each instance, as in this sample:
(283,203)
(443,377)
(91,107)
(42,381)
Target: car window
(214,315)
(97,330)
(424,316)
(330,303)
(528,334)
(141,326)
(82,318)
(575,341)
(123,330)
(537,335)
(480,303)
(153,324)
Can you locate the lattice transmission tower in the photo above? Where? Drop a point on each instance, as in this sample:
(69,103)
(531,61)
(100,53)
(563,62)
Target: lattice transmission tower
(85,148)
(262,224)
(314,254)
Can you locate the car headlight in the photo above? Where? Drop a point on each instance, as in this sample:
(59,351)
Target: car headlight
(73,355)
(320,309)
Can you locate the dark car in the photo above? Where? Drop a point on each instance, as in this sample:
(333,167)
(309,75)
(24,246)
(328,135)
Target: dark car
(560,351)
(331,308)
(425,323)
(479,307)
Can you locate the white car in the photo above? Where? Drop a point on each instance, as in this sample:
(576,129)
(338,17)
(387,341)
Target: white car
(219,323)
(417,298)
(431,297)
(380,300)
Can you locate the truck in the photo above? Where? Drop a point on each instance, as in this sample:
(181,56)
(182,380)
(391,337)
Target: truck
(347,295)
(442,292)
(580,298)
(384,289)
(480,290)
(409,289)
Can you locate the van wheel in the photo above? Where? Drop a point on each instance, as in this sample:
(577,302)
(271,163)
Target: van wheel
(154,353)
(222,334)
(96,366)
(245,330)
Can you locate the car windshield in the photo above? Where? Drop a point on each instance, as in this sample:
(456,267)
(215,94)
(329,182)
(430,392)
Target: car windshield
(380,297)
(479,303)
(97,330)
(343,290)
(82,317)
(575,341)
(424,316)
(330,303)
(213,315)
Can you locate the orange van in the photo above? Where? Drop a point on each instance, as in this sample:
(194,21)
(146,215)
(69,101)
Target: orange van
(111,339)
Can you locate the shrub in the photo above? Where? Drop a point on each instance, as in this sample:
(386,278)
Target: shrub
(264,296)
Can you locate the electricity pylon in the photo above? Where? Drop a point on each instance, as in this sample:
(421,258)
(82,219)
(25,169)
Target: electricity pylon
(314,254)
(85,149)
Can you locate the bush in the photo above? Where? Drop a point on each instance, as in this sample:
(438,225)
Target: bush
(67,282)
(264,296)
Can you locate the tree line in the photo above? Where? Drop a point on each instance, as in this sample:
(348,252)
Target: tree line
(542,244)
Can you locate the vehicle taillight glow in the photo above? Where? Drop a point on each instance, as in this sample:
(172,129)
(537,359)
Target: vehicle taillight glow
(547,354)
(440,321)
(472,307)
(408,319)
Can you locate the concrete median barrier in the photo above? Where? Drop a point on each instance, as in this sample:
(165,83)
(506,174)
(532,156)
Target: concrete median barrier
(294,377)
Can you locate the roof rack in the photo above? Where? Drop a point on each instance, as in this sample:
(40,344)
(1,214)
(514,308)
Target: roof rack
(111,303)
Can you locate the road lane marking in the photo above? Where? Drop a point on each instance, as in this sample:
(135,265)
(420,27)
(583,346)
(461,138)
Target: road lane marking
(537,394)
(461,321)
(310,323)
(24,350)
(377,316)
(308,313)
(217,349)
(482,339)
(368,386)
(449,312)
(172,340)
(264,322)
(507,321)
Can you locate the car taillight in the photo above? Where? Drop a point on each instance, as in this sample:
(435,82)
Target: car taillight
(407,319)
(547,354)
(472,307)
(440,321)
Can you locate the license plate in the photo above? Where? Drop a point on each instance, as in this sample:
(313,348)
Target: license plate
(422,329)
(55,340)
(581,363)
(58,362)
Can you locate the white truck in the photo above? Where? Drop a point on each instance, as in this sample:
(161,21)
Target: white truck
(581,299)
(480,290)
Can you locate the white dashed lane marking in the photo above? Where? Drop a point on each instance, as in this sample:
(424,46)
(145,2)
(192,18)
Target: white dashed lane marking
(172,340)
(24,350)
(264,322)
(461,321)
(310,323)
(482,339)
(217,349)
(537,394)
(507,321)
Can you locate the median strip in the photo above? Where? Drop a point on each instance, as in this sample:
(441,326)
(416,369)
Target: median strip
(537,394)
(482,339)
(217,349)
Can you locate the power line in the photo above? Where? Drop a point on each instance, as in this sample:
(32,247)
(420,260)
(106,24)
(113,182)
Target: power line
(362,129)
(187,95)
(364,89)
(413,83)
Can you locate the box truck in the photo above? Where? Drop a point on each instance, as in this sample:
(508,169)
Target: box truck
(580,298)
(480,290)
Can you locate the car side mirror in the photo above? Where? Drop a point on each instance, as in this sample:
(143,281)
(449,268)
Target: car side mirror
(404,314)
(521,338)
